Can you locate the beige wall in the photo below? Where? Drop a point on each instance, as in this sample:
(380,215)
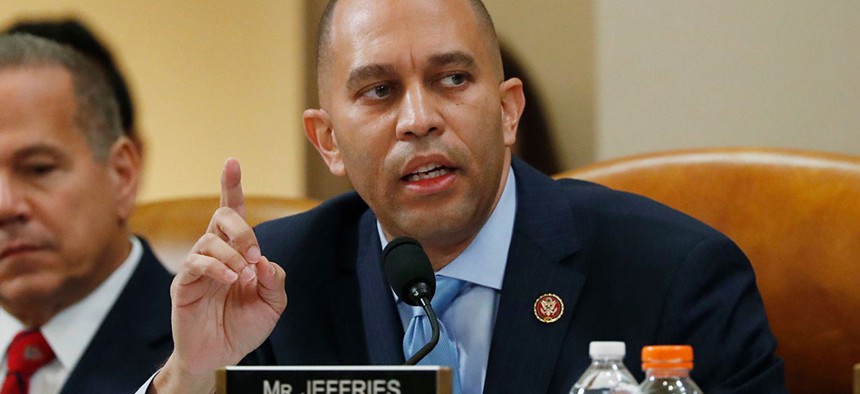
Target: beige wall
(678,74)
(626,77)
(554,39)
(211,79)
(618,78)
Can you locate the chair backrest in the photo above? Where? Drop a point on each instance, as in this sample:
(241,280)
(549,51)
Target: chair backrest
(796,215)
(173,226)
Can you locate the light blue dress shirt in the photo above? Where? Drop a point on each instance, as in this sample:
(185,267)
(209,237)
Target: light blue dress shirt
(471,317)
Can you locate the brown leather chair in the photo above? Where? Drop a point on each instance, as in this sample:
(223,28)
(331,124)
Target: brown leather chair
(797,216)
(173,226)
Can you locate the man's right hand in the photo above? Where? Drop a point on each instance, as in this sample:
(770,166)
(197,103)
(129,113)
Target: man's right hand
(226,297)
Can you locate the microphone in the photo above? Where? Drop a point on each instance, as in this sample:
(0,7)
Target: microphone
(411,276)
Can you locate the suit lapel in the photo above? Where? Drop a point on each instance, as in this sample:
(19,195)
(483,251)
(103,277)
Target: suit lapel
(524,350)
(135,337)
(545,237)
(382,328)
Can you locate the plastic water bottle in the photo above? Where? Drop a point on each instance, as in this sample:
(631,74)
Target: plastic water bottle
(667,370)
(607,373)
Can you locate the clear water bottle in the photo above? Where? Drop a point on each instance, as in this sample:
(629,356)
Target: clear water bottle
(607,373)
(667,370)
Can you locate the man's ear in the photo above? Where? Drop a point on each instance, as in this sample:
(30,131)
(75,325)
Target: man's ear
(513,103)
(124,170)
(320,133)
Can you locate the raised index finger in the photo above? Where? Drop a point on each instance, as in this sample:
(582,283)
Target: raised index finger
(237,232)
(231,187)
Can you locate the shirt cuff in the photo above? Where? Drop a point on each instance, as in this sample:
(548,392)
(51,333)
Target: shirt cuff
(145,388)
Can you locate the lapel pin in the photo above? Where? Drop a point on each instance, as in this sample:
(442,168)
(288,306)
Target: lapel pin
(548,308)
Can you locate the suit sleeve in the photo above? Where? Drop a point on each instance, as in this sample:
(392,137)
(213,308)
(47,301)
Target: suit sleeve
(714,305)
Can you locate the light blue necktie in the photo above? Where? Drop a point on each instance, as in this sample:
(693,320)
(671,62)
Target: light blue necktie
(418,333)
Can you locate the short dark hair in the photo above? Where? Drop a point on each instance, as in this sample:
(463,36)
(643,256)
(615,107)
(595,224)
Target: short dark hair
(96,113)
(324,30)
(74,33)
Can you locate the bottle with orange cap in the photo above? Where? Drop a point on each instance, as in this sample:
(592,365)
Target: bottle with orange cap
(667,370)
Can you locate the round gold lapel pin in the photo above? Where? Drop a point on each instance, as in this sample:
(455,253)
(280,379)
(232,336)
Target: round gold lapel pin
(548,308)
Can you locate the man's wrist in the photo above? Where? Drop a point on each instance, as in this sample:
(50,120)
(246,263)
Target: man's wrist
(174,379)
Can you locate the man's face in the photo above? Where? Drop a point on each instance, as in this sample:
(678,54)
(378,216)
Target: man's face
(60,210)
(416,115)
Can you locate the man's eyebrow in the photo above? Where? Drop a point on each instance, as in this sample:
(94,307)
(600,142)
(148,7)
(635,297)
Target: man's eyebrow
(368,72)
(381,71)
(37,150)
(40,151)
(458,58)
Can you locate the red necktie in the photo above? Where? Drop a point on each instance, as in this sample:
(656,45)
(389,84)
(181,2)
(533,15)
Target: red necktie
(28,352)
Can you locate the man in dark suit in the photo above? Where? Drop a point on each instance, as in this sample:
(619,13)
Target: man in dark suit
(415,111)
(626,268)
(85,305)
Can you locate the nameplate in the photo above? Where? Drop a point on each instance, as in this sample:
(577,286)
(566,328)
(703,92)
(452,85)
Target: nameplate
(334,380)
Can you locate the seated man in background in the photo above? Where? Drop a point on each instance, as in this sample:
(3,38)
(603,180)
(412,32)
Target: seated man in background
(85,305)
(415,110)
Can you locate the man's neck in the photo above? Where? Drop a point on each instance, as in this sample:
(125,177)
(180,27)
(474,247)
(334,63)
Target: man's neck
(452,245)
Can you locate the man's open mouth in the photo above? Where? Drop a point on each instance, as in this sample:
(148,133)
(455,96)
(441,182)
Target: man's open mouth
(427,172)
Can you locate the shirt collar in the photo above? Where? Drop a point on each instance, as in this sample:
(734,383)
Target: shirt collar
(70,331)
(483,262)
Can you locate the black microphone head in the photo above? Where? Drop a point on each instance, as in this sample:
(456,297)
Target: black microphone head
(406,266)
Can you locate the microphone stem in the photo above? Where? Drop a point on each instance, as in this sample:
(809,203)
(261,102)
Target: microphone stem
(434,339)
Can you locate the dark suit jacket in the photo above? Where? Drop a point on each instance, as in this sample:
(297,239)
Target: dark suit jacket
(627,268)
(135,337)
